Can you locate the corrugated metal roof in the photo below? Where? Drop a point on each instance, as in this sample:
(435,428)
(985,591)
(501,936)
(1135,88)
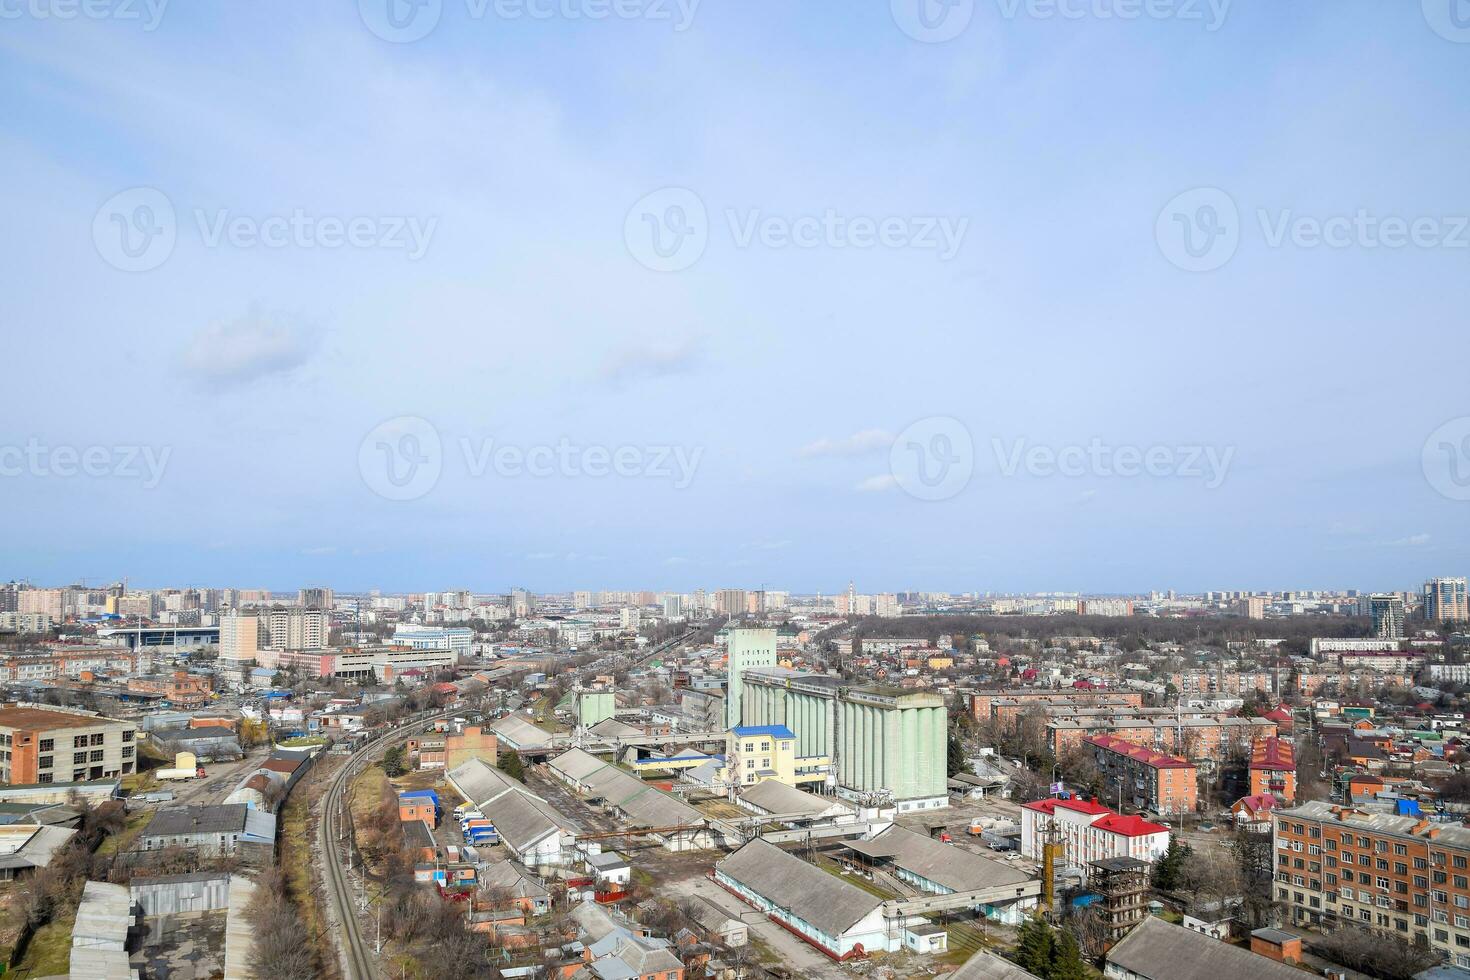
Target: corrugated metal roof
(827,902)
(1157,949)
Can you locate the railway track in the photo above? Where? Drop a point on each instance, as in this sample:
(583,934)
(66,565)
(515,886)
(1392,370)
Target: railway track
(358,960)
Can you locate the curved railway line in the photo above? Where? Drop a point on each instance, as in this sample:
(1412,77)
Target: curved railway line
(356,957)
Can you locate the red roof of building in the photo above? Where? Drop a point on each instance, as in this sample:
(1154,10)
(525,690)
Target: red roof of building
(1259,802)
(1274,754)
(1130,826)
(1091,807)
(1158,760)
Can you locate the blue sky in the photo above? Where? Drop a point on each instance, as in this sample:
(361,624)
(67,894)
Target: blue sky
(522,149)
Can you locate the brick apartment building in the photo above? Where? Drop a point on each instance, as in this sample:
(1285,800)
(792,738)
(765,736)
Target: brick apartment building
(58,745)
(180,688)
(1201,735)
(1401,876)
(1273,768)
(1138,776)
(980,703)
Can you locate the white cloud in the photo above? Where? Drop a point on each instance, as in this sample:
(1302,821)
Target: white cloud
(1412,541)
(250,348)
(877,484)
(857,444)
(647,361)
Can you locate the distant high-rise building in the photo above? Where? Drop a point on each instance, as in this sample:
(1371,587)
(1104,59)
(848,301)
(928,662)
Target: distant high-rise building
(314,598)
(295,629)
(239,638)
(1253,607)
(581,600)
(1388,616)
(521,604)
(1445,600)
(730,602)
(673,607)
(630,617)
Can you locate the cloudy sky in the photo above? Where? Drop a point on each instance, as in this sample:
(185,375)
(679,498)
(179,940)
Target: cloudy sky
(1000,295)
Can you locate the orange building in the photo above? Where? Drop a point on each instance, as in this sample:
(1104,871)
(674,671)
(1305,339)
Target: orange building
(180,688)
(55,745)
(1400,876)
(473,743)
(1148,780)
(1273,768)
(418,808)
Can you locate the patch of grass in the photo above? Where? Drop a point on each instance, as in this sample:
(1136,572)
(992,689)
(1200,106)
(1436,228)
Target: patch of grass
(49,951)
(123,839)
(295,830)
(871,887)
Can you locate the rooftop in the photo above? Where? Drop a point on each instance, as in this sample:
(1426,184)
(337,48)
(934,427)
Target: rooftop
(1156,948)
(824,900)
(42,719)
(774,731)
(1140,753)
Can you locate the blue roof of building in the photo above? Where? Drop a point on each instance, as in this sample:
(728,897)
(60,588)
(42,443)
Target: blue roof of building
(775,731)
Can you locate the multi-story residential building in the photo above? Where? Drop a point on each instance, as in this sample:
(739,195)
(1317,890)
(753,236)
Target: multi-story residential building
(1387,610)
(315,598)
(1273,768)
(1089,832)
(1446,601)
(1194,735)
(19,622)
(1140,777)
(58,604)
(980,703)
(58,745)
(1401,876)
(297,629)
(730,602)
